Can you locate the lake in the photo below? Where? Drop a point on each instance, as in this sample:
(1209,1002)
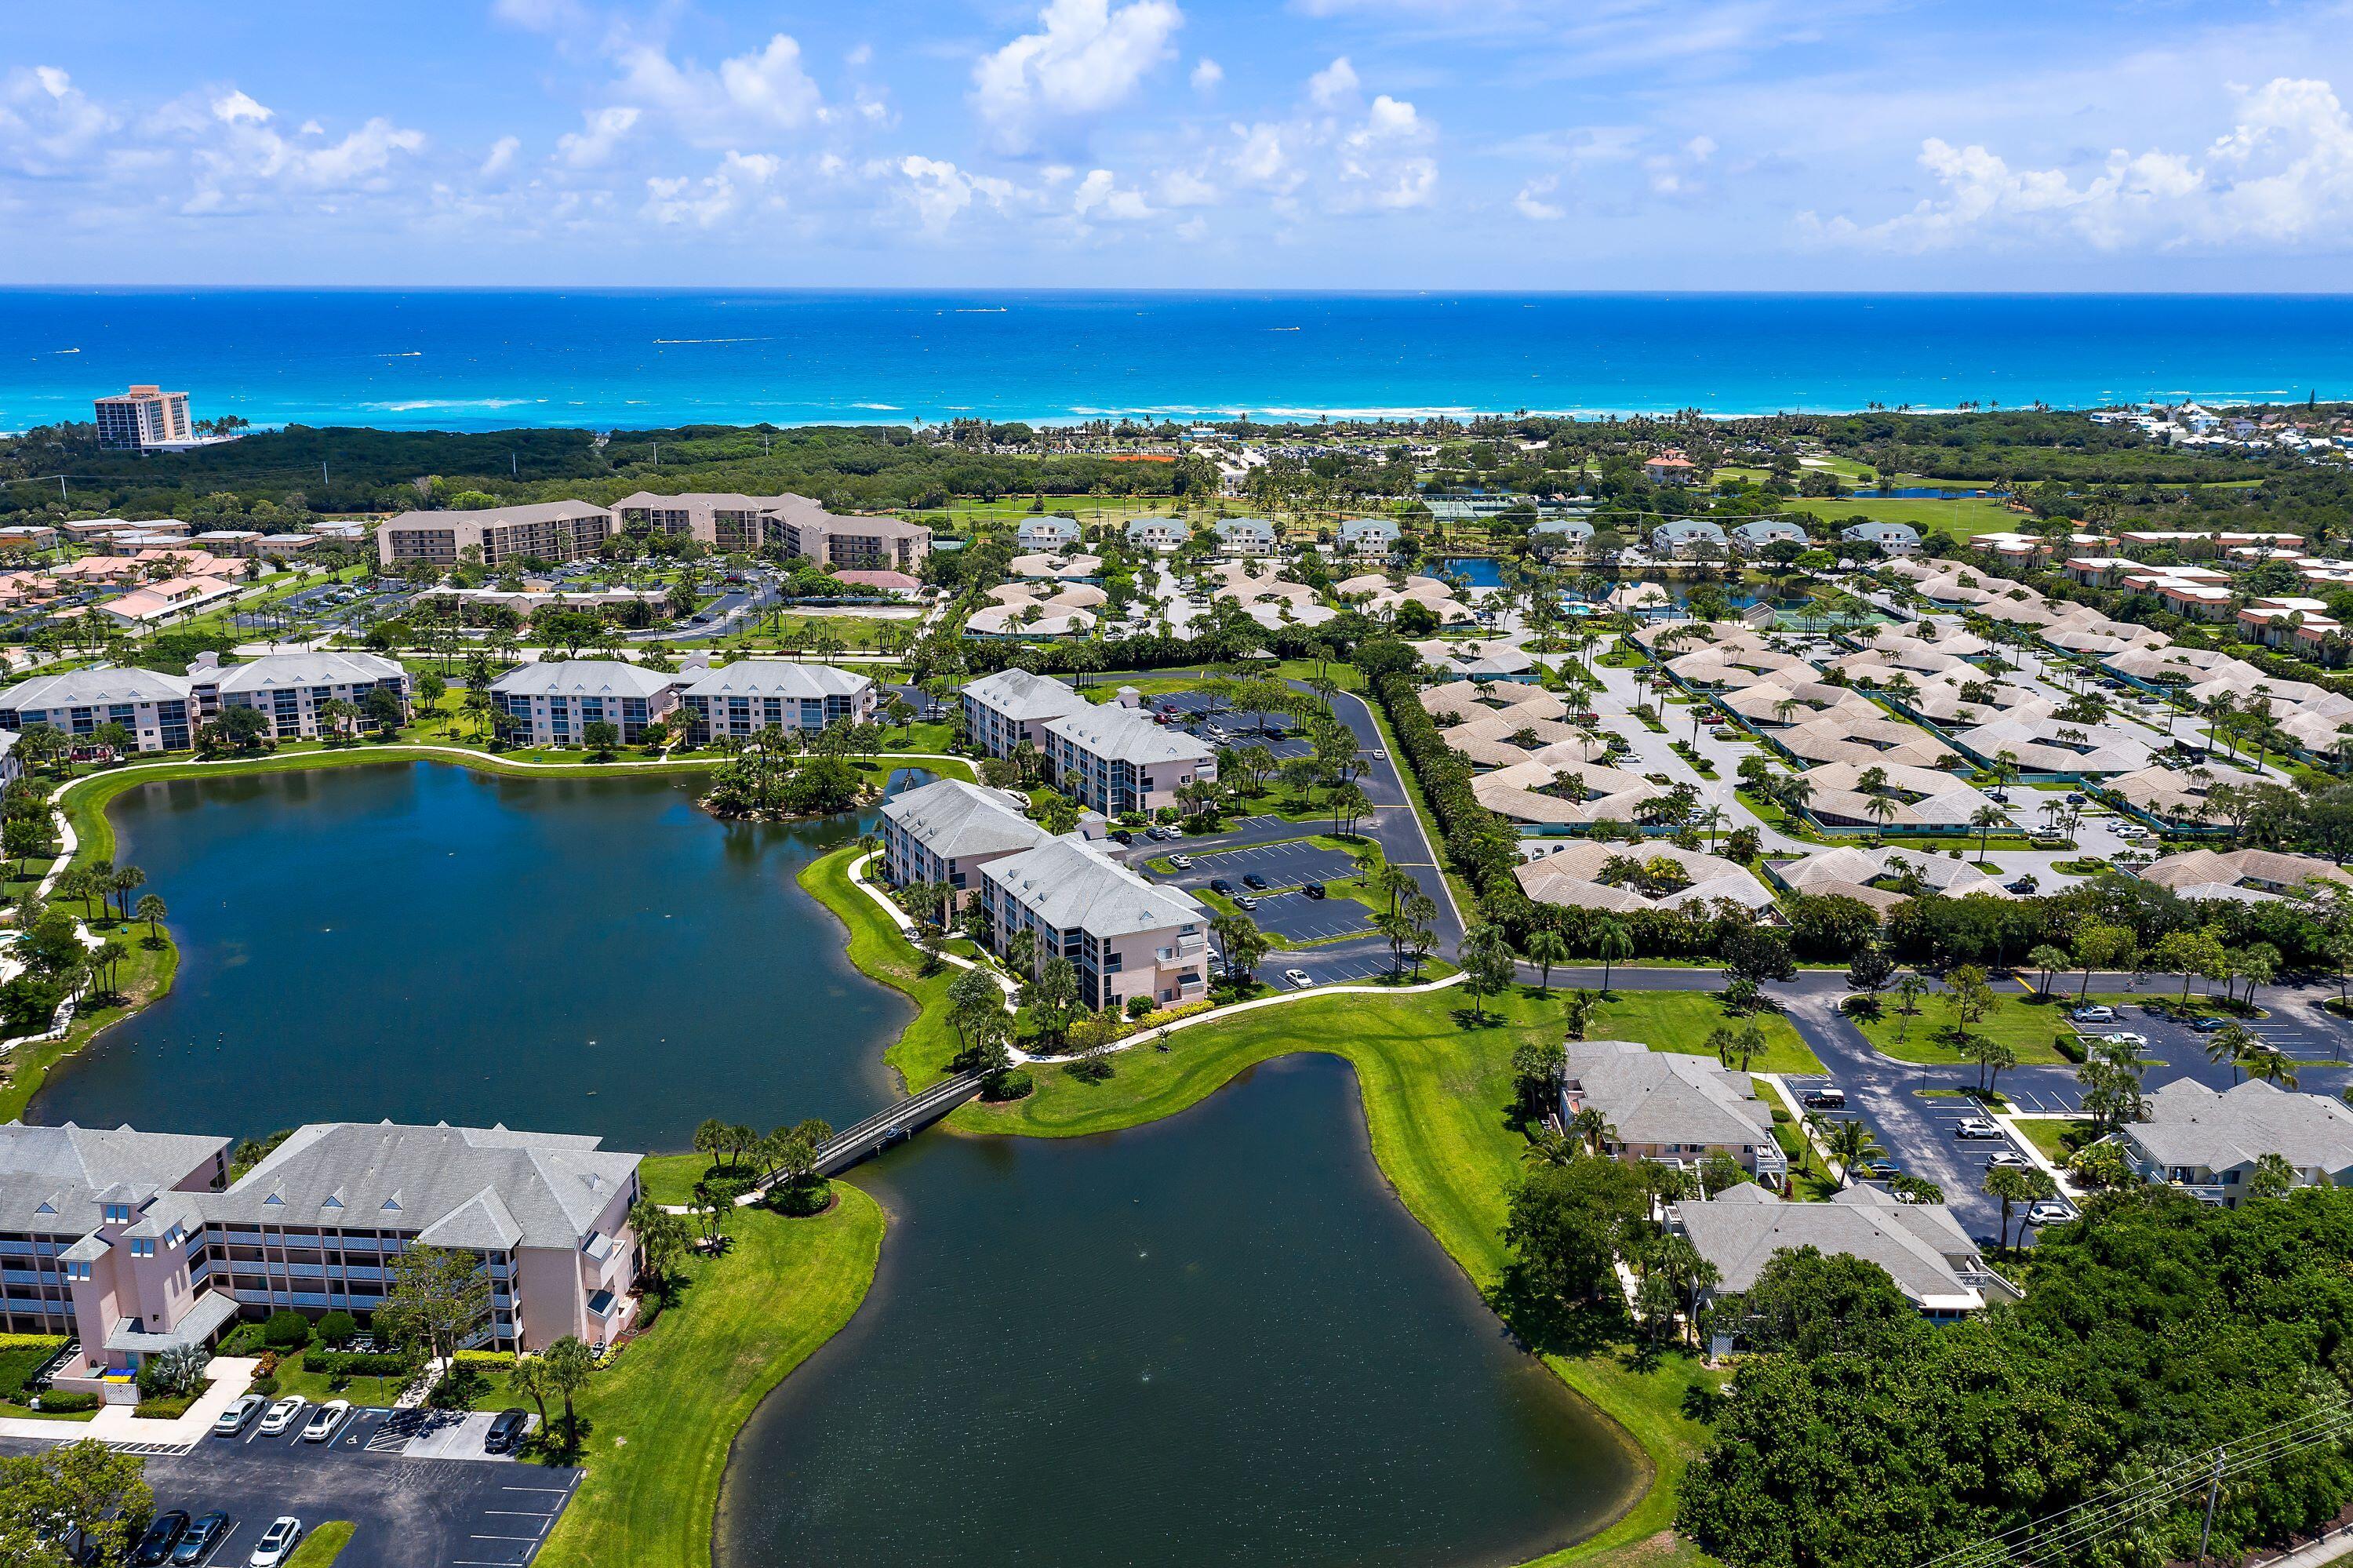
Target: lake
(427,943)
(1214,1339)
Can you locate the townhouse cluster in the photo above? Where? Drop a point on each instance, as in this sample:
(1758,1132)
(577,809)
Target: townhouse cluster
(137,1243)
(1665,1107)
(559,531)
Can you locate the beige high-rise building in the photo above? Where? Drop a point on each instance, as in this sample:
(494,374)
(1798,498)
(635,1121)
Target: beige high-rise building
(143,417)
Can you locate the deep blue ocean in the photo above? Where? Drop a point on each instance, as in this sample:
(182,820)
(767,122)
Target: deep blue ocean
(472,359)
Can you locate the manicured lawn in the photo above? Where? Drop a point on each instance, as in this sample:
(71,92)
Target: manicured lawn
(1435,1096)
(2057,1138)
(920,1055)
(2027,1025)
(1958,518)
(2168,990)
(322,1545)
(658,1424)
(146,975)
(1681,1020)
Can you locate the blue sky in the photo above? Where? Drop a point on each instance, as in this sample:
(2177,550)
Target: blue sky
(1309,144)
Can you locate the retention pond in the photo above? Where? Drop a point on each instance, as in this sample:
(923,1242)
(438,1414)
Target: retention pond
(1214,1340)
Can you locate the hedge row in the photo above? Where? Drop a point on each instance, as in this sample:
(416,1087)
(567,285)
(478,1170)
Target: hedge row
(355,1363)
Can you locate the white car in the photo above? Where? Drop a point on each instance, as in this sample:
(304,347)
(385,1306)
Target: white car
(2096,1013)
(2124,1037)
(326,1420)
(1978,1127)
(277,1542)
(232,1421)
(283,1414)
(1181,861)
(2008,1160)
(2049,1213)
(1299,977)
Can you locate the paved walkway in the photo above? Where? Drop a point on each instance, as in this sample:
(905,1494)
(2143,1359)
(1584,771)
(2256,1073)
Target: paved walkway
(117,1426)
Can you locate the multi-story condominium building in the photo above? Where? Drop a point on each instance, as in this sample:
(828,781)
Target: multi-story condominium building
(1003,710)
(144,417)
(138,1243)
(1126,937)
(1117,758)
(289,689)
(57,1185)
(728,523)
(1047,534)
(557,702)
(28,536)
(775,694)
(799,527)
(946,831)
(546,531)
(1368,537)
(155,707)
(793,523)
(1248,536)
(1158,532)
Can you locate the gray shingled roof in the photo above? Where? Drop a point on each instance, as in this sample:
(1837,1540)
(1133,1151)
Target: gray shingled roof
(1663,1097)
(1023,696)
(318,669)
(1070,885)
(1914,1243)
(583,678)
(1128,734)
(454,1186)
(778,678)
(501,516)
(52,1179)
(2185,1123)
(100,684)
(952,819)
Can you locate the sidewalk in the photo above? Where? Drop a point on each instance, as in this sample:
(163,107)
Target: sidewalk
(115,1424)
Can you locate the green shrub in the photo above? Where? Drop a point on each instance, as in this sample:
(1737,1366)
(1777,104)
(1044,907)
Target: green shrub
(1138,1006)
(1007,1083)
(287,1330)
(2068,1045)
(337,1328)
(66,1403)
(355,1363)
(244,1339)
(489,1361)
(264,1386)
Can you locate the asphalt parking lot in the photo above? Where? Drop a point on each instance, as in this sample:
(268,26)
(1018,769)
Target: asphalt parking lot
(1240,726)
(410,1513)
(1296,917)
(1282,865)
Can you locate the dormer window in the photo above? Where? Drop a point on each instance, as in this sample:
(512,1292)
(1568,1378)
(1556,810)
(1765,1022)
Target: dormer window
(117,1214)
(142,1247)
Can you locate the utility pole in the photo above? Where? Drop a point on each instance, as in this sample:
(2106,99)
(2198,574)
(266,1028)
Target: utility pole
(2214,1490)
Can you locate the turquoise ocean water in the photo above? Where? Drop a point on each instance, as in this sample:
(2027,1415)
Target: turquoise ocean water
(488,359)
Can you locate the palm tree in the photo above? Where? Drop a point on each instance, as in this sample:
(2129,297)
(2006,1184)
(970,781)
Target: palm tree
(1545,947)
(2270,1064)
(1985,818)
(1591,1126)
(2013,1185)
(2235,1043)
(151,910)
(1613,941)
(1882,810)
(1851,1143)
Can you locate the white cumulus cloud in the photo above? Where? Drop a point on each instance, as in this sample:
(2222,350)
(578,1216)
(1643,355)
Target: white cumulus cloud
(1086,58)
(755,95)
(501,156)
(1100,195)
(2283,175)
(1333,85)
(585,149)
(1207,74)
(1531,203)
